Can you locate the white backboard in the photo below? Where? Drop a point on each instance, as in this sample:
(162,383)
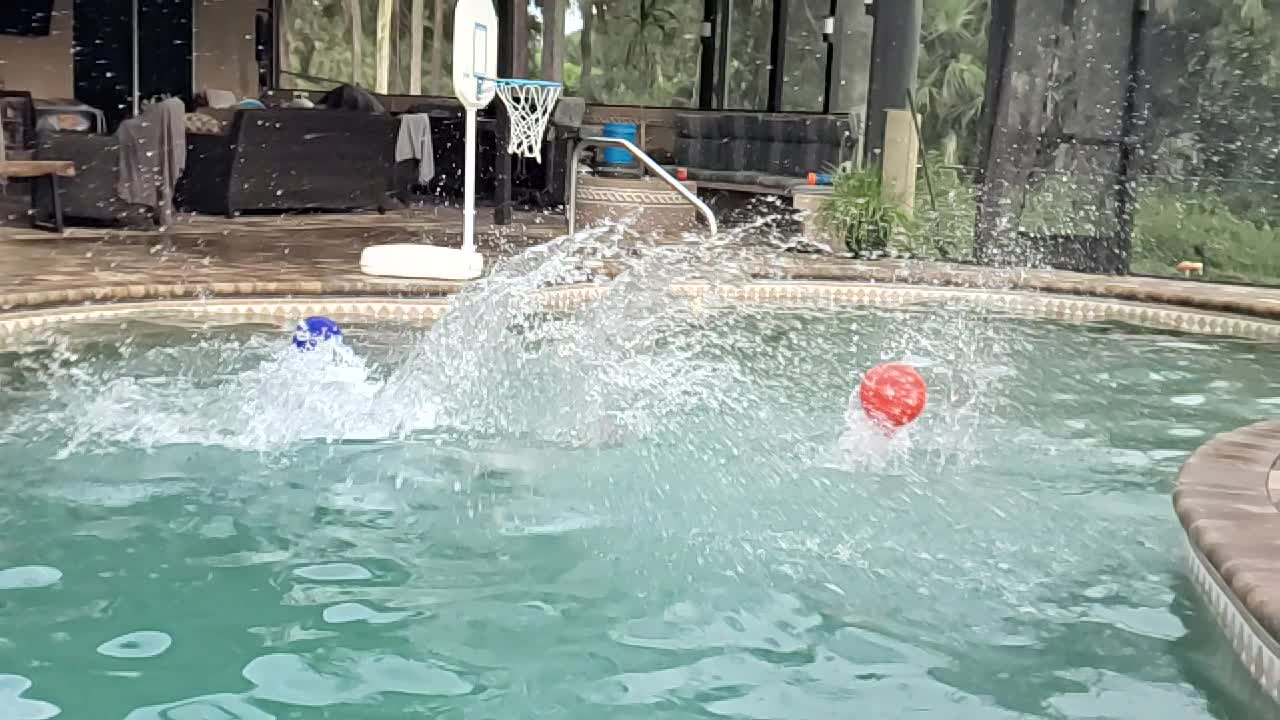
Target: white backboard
(475,51)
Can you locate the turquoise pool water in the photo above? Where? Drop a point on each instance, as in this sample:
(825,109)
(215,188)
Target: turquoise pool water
(663,516)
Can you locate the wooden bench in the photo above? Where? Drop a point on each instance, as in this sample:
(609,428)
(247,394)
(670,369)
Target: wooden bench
(51,169)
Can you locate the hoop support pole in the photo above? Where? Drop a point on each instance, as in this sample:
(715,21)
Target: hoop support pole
(469,185)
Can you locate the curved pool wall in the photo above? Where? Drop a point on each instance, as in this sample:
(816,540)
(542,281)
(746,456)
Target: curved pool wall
(1226,498)
(1227,495)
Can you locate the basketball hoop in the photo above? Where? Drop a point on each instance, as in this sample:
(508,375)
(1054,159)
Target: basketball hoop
(529,105)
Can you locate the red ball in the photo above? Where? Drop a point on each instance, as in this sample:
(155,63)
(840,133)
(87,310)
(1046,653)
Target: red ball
(892,394)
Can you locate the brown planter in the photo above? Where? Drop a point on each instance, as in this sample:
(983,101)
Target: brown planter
(648,204)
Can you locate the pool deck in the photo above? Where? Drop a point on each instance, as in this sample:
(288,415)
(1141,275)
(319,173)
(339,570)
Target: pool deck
(319,255)
(1225,496)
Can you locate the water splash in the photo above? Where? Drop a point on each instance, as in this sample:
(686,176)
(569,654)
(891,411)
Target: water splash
(641,379)
(500,363)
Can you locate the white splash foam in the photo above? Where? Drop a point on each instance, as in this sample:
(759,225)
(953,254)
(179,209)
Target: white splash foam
(290,679)
(221,706)
(355,612)
(15,707)
(1130,458)
(219,526)
(28,577)
(1185,345)
(690,626)
(334,571)
(1156,623)
(141,644)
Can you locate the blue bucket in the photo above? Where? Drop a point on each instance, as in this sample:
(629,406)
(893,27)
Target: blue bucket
(623,131)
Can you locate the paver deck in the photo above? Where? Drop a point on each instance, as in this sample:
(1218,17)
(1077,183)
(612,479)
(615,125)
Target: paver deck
(318,255)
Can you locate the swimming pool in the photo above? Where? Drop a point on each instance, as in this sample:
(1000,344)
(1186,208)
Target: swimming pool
(642,510)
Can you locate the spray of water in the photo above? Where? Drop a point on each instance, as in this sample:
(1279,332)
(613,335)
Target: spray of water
(643,407)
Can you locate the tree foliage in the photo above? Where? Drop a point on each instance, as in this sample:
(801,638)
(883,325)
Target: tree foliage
(1215,100)
(952,75)
(317,47)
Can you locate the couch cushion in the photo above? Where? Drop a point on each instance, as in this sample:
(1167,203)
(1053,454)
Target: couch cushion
(198,123)
(701,142)
(769,144)
(780,183)
(294,158)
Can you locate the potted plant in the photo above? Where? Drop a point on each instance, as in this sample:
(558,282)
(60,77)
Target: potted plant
(857,214)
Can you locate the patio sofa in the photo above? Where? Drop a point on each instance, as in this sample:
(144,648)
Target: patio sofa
(90,196)
(758,152)
(290,159)
(744,163)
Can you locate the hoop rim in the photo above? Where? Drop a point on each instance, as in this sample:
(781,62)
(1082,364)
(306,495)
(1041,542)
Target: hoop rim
(519,81)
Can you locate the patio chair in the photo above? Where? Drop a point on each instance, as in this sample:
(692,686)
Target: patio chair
(90,196)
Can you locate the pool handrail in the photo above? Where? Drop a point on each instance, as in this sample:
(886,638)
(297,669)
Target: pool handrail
(648,162)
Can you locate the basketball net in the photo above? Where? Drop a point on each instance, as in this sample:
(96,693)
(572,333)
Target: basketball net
(529,107)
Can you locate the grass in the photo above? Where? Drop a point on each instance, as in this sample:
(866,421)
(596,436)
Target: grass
(1170,226)
(1230,228)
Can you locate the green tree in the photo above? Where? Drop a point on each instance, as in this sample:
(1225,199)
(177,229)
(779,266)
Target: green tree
(635,52)
(952,75)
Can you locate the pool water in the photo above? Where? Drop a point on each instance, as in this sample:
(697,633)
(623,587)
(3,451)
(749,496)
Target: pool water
(668,516)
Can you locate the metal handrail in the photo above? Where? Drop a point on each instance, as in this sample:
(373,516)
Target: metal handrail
(648,162)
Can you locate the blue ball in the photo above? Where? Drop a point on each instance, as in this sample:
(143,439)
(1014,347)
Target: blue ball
(314,329)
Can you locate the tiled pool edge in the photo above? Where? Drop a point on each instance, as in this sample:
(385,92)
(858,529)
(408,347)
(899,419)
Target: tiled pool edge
(1223,501)
(802,268)
(1222,496)
(282,301)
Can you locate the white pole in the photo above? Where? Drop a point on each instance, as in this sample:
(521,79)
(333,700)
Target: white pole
(136,92)
(415,50)
(437,43)
(382,75)
(357,37)
(469,186)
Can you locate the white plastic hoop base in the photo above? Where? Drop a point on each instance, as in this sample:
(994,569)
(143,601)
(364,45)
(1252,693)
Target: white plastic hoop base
(421,261)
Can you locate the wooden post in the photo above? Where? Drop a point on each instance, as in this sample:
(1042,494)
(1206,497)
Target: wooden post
(520,40)
(849,76)
(357,35)
(1017,123)
(588,27)
(383,37)
(901,153)
(415,49)
(502,210)
(895,50)
(707,56)
(1056,182)
(437,48)
(553,39)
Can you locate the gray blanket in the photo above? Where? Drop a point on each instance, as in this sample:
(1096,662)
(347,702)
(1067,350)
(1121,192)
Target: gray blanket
(153,154)
(414,141)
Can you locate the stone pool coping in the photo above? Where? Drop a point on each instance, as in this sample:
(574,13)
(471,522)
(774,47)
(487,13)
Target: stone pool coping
(1225,495)
(255,303)
(1225,498)
(268,278)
